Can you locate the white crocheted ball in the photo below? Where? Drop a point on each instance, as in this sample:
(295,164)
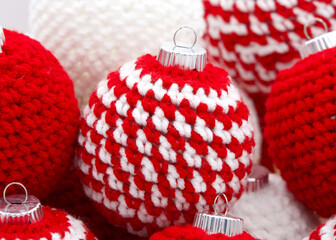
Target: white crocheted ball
(273,213)
(91,38)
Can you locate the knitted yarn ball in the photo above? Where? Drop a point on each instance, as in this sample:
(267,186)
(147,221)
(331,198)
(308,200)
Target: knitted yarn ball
(91,38)
(189,232)
(39,116)
(300,130)
(326,231)
(157,144)
(254,40)
(56,225)
(274,213)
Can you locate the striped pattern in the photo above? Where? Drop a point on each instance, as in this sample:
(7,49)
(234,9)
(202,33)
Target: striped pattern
(156,147)
(326,231)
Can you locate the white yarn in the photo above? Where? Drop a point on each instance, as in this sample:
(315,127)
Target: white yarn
(274,213)
(327,231)
(93,38)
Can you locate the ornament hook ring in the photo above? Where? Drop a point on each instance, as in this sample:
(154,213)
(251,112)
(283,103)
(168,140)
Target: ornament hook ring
(185,27)
(312,22)
(226,203)
(15,183)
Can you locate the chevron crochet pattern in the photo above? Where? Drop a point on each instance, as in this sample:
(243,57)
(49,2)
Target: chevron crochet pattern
(92,38)
(300,129)
(157,144)
(56,225)
(39,116)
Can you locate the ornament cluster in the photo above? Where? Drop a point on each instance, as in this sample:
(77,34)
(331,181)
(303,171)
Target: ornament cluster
(131,145)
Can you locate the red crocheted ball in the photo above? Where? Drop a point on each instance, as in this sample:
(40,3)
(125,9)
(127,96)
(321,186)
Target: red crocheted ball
(254,40)
(326,231)
(39,116)
(300,129)
(157,144)
(189,232)
(56,225)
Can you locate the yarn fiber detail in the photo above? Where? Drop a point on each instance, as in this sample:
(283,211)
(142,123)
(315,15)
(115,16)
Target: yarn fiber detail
(92,38)
(192,233)
(39,116)
(300,129)
(56,225)
(274,213)
(326,231)
(157,144)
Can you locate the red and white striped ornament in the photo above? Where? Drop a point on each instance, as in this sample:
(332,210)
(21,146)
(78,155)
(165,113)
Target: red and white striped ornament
(326,231)
(158,143)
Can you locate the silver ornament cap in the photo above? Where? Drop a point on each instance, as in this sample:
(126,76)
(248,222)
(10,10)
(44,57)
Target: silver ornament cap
(317,44)
(19,209)
(180,54)
(2,38)
(213,223)
(258,178)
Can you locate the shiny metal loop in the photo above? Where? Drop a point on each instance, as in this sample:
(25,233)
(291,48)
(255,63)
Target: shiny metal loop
(226,203)
(310,23)
(185,27)
(15,183)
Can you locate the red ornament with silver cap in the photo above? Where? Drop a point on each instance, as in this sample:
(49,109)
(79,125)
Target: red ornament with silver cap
(208,226)
(22,217)
(300,124)
(161,137)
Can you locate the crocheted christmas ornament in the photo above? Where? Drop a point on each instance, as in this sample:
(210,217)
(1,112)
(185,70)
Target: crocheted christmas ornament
(39,116)
(326,231)
(274,213)
(157,144)
(300,129)
(56,225)
(189,232)
(254,40)
(91,38)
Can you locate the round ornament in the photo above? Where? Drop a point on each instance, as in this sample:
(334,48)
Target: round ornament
(159,140)
(92,38)
(39,115)
(300,125)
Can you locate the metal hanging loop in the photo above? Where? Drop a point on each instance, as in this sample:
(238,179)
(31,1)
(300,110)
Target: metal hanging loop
(195,37)
(312,22)
(15,183)
(226,203)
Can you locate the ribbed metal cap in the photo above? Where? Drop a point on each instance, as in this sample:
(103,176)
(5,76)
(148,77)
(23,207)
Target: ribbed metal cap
(318,44)
(2,38)
(219,223)
(180,54)
(258,178)
(213,223)
(20,209)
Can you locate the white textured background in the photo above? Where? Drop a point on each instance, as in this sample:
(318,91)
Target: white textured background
(14,15)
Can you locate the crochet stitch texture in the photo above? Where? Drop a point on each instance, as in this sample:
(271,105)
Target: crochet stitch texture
(300,129)
(326,231)
(91,38)
(274,213)
(56,225)
(157,144)
(39,116)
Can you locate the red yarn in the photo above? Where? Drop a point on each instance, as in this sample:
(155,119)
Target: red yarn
(151,156)
(300,129)
(55,222)
(325,231)
(189,232)
(257,39)
(39,116)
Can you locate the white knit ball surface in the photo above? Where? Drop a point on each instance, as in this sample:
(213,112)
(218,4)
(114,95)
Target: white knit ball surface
(91,38)
(273,213)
